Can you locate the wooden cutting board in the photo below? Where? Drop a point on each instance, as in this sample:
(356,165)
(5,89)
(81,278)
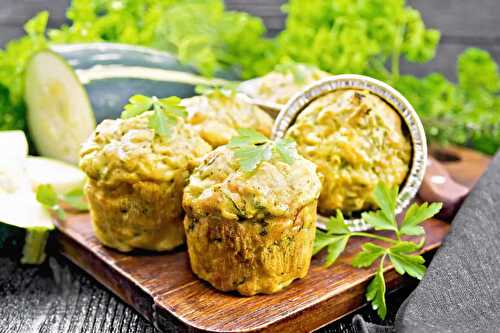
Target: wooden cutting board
(164,290)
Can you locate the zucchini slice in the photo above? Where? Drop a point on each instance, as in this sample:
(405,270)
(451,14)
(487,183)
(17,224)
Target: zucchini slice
(23,221)
(62,176)
(20,211)
(13,144)
(60,116)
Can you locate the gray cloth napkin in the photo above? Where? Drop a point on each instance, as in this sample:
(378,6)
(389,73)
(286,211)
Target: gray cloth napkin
(461,290)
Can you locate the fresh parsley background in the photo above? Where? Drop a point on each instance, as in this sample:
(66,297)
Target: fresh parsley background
(368,37)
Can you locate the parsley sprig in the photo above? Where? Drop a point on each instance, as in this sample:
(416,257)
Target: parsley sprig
(166,112)
(252,148)
(401,253)
(229,89)
(48,197)
(299,72)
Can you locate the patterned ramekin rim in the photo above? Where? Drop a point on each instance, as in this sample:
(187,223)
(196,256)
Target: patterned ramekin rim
(301,100)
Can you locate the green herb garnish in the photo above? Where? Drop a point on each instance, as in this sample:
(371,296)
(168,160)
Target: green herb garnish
(166,112)
(76,200)
(48,197)
(229,89)
(299,72)
(400,252)
(252,148)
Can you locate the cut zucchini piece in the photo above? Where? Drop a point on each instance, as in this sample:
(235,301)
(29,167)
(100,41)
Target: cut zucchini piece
(13,144)
(22,219)
(20,210)
(14,149)
(62,176)
(60,117)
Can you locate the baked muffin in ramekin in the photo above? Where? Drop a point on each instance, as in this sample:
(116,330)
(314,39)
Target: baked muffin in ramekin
(252,232)
(357,140)
(135,182)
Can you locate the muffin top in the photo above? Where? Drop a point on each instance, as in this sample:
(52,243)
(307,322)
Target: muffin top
(128,150)
(356,140)
(220,189)
(280,85)
(216,116)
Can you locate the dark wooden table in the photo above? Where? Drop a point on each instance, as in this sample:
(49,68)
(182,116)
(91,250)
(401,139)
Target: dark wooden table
(59,297)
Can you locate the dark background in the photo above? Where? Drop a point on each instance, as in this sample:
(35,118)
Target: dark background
(58,297)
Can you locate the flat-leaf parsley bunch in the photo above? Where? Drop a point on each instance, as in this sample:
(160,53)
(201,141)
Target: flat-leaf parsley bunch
(166,112)
(400,252)
(251,148)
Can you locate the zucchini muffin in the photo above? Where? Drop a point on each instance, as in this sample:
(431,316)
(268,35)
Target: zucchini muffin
(135,182)
(356,139)
(250,232)
(218,115)
(281,85)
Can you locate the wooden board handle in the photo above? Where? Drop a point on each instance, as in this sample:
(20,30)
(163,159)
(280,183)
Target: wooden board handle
(438,185)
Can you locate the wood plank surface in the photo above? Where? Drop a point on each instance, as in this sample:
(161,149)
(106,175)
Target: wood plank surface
(162,285)
(163,289)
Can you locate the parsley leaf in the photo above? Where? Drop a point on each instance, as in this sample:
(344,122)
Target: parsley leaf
(75,199)
(252,148)
(321,241)
(335,245)
(166,111)
(375,293)
(300,72)
(286,149)
(403,262)
(417,214)
(47,196)
(368,255)
(336,225)
(229,89)
(138,104)
(386,198)
(326,34)
(385,218)
(250,156)
(335,248)
(247,136)
(379,221)
(162,123)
